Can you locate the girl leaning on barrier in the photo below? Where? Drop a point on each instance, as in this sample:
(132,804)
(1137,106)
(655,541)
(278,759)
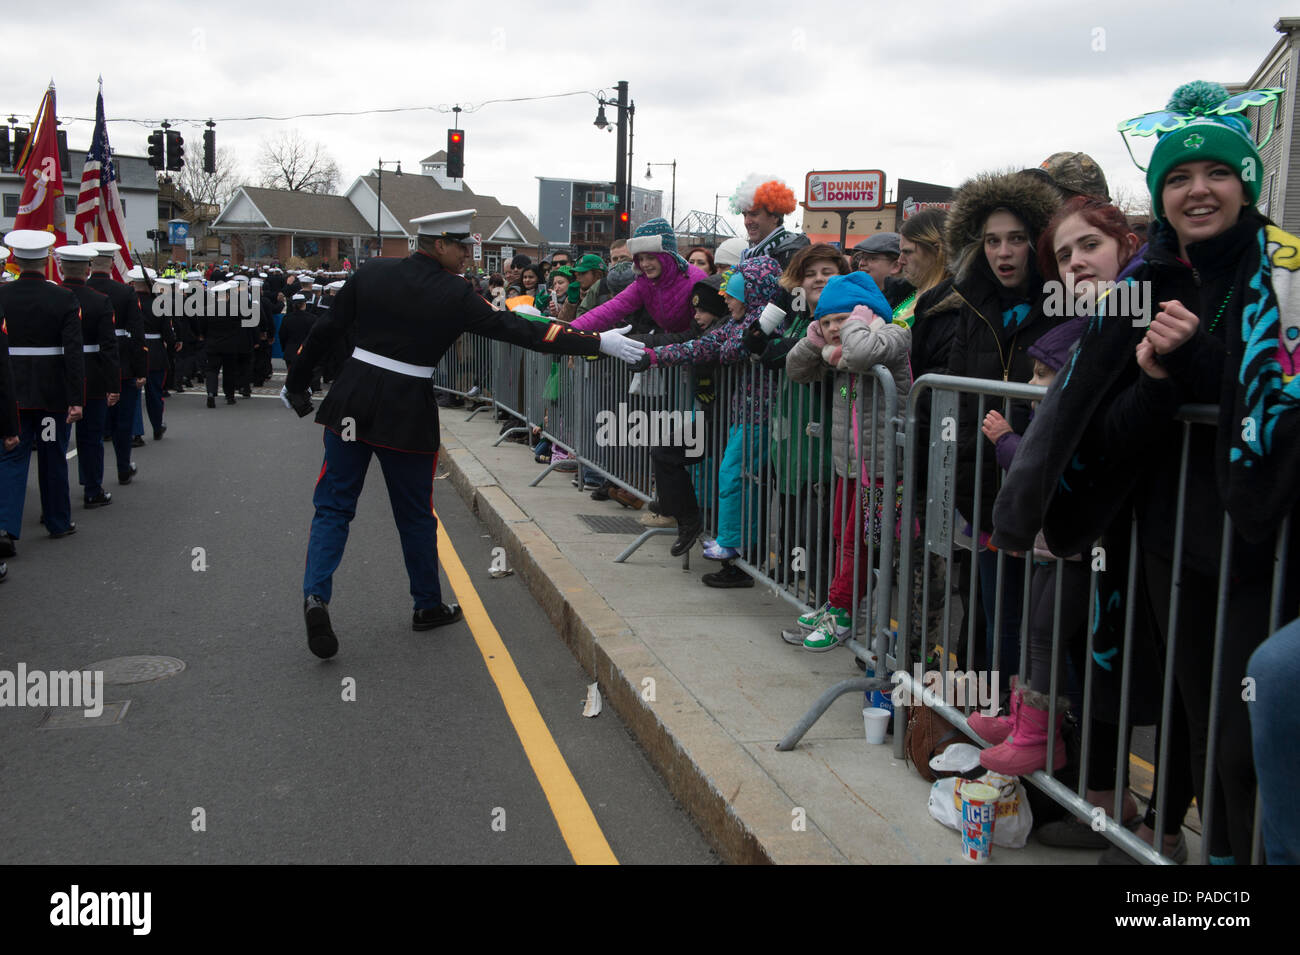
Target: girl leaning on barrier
(992,229)
(1226,333)
(1090,243)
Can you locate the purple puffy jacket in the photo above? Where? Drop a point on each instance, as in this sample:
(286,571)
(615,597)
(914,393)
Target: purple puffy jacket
(667,299)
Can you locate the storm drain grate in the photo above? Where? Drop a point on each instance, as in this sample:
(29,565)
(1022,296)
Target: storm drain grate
(143,669)
(605,524)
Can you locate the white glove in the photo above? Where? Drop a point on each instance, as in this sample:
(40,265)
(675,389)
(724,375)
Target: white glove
(284,397)
(773,315)
(616,344)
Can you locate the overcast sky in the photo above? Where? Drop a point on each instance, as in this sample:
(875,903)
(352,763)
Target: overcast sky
(923,90)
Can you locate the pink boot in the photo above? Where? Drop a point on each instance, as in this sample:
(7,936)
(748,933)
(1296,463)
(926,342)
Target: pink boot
(1025,750)
(996,728)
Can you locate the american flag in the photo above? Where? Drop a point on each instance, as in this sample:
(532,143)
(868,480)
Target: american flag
(99,207)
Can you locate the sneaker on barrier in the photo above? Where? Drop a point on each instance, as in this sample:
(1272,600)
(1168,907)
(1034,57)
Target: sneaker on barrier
(808,622)
(714,552)
(830,631)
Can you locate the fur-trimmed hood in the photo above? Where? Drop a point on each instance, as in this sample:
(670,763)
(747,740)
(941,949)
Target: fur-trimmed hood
(1024,194)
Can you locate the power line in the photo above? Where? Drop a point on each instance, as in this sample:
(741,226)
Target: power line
(441,108)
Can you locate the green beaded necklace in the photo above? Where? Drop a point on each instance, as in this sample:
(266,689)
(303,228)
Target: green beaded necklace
(1222,305)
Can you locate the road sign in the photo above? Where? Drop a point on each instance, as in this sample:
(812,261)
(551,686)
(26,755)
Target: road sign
(507,253)
(478,246)
(845,190)
(189,243)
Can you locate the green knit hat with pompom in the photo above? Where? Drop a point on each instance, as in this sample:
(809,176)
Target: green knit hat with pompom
(1224,139)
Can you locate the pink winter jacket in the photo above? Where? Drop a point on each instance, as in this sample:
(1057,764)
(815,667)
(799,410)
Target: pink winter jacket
(667,300)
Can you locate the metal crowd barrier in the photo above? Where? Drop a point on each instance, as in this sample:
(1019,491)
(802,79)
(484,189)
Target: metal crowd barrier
(465,370)
(788,533)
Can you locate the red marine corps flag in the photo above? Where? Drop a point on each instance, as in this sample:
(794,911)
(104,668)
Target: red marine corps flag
(40,205)
(99,207)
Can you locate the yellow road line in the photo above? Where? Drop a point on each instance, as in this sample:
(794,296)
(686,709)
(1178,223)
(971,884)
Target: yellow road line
(569,806)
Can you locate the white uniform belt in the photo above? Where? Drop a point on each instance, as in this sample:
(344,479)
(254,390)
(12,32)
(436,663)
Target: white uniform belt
(51,350)
(121,332)
(392,364)
(147,335)
(90,348)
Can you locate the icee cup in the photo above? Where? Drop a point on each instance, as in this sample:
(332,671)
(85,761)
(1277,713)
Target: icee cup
(979,811)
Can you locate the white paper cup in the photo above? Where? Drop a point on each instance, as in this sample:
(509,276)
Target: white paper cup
(875,720)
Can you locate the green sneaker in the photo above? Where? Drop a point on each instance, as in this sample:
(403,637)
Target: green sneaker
(810,620)
(829,632)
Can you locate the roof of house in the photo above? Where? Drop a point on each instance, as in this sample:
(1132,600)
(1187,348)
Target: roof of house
(283,210)
(409,197)
(439,156)
(133,172)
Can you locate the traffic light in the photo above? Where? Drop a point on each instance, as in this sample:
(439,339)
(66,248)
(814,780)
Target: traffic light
(175,151)
(455,154)
(210,149)
(157,154)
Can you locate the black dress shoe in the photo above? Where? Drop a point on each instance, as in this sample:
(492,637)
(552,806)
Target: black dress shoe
(124,477)
(686,538)
(159,432)
(7,547)
(212,402)
(247,392)
(102,499)
(436,617)
(230,399)
(320,635)
(137,441)
(72,529)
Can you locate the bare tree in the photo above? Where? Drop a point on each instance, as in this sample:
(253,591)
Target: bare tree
(211,188)
(1134,203)
(290,162)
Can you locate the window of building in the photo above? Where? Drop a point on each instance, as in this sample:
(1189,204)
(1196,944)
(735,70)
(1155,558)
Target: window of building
(1281,102)
(70,205)
(11,205)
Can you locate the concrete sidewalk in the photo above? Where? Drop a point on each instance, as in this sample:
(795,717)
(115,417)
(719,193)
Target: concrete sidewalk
(725,686)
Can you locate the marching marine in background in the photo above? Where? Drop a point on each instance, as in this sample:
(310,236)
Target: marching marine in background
(130,353)
(102,371)
(406,313)
(159,342)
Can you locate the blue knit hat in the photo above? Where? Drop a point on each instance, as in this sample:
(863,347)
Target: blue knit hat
(843,293)
(656,236)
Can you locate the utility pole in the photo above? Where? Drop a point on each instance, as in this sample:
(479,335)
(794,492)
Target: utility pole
(621,229)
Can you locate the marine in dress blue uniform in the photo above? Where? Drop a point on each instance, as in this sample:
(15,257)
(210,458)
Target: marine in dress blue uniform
(405,313)
(130,353)
(9,426)
(43,322)
(102,376)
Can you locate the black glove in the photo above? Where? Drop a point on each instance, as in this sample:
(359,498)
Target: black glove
(642,363)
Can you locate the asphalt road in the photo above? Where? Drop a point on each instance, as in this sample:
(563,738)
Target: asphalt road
(251,753)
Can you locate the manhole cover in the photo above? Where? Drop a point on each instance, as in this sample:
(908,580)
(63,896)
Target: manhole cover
(604,524)
(121,670)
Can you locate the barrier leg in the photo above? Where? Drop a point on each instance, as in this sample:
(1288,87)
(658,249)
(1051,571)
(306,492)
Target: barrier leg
(648,533)
(860,684)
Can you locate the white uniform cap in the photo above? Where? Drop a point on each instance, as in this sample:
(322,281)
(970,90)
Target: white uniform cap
(75,253)
(299,297)
(456,226)
(335,286)
(104,248)
(29,243)
(261,275)
(306,280)
(137,274)
(241,278)
(164,281)
(194,276)
(221,287)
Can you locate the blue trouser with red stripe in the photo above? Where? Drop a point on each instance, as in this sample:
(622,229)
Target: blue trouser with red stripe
(49,432)
(409,476)
(90,446)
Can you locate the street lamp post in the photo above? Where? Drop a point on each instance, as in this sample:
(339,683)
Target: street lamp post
(379,210)
(716,197)
(622,173)
(673,213)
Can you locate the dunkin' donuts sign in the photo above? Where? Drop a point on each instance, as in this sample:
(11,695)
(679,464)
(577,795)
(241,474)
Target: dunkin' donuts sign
(845,190)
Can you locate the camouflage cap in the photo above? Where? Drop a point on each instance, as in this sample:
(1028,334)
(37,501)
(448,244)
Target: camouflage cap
(1076,173)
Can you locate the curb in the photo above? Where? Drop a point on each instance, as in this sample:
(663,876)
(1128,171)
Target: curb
(744,815)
